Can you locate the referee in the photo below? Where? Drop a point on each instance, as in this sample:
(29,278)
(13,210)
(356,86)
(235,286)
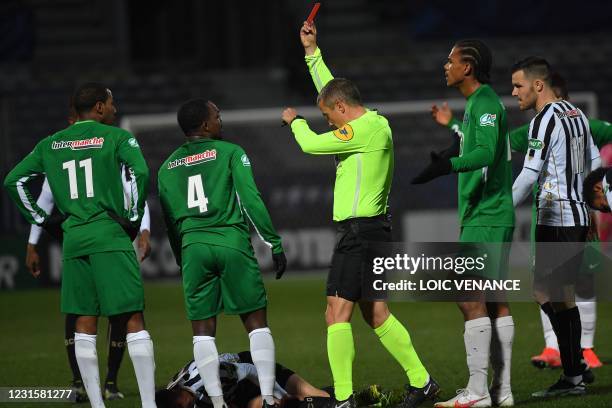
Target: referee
(363,147)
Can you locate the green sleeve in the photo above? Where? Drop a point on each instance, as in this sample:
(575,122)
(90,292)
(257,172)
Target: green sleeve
(251,201)
(130,154)
(601,131)
(343,140)
(519,138)
(15,183)
(171,227)
(318,70)
(483,153)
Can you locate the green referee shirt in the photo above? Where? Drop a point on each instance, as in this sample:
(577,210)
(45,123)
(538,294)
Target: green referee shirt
(484,163)
(364,155)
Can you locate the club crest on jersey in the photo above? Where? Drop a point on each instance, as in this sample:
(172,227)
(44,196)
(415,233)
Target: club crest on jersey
(345,133)
(574,113)
(93,143)
(194,159)
(132,142)
(488,119)
(245,160)
(536,144)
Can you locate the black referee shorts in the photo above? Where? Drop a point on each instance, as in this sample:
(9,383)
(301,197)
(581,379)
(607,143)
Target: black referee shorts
(558,254)
(351,266)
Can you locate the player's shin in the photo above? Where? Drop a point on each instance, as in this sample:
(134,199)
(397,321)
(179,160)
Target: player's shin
(588,317)
(263,354)
(569,344)
(116,348)
(87,358)
(501,353)
(70,328)
(477,338)
(396,339)
(206,358)
(549,334)
(140,348)
(341,353)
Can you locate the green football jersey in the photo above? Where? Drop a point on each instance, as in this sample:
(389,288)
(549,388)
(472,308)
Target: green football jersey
(484,164)
(364,155)
(207,193)
(600,130)
(82,164)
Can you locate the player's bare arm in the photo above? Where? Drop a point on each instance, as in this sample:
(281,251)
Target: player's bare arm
(308,36)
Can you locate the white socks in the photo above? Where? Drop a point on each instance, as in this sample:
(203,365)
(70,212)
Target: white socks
(262,353)
(588,315)
(140,347)
(549,334)
(477,338)
(501,353)
(87,359)
(207,360)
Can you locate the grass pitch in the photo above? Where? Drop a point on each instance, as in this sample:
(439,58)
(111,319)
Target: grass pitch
(32,351)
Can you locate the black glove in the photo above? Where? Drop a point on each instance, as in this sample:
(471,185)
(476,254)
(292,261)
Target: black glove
(130,228)
(280,264)
(53,225)
(454,148)
(439,166)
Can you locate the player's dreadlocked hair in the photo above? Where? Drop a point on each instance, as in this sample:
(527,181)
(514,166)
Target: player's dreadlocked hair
(559,85)
(588,185)
(478,55)
(192,113)
(340,89)
(87,95)
(535,68)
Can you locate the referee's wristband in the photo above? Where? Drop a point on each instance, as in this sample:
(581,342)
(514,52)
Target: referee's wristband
(289,124)
(296,117)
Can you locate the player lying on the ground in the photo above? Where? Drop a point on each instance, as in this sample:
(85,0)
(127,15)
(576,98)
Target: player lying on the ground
(240,386)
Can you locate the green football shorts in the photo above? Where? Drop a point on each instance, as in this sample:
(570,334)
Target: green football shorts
(104,283)
(218,278)
(496,242)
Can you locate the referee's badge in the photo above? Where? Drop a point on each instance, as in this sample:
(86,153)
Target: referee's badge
(345,133)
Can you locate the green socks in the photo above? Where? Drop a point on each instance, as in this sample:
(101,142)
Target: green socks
(341,353)
(394,336)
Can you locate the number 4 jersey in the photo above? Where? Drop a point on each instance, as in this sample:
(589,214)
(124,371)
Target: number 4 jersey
(83,167)
(207,193)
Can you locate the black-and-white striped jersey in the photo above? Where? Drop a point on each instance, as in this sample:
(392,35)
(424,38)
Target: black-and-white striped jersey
(231,372)
(561,149)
